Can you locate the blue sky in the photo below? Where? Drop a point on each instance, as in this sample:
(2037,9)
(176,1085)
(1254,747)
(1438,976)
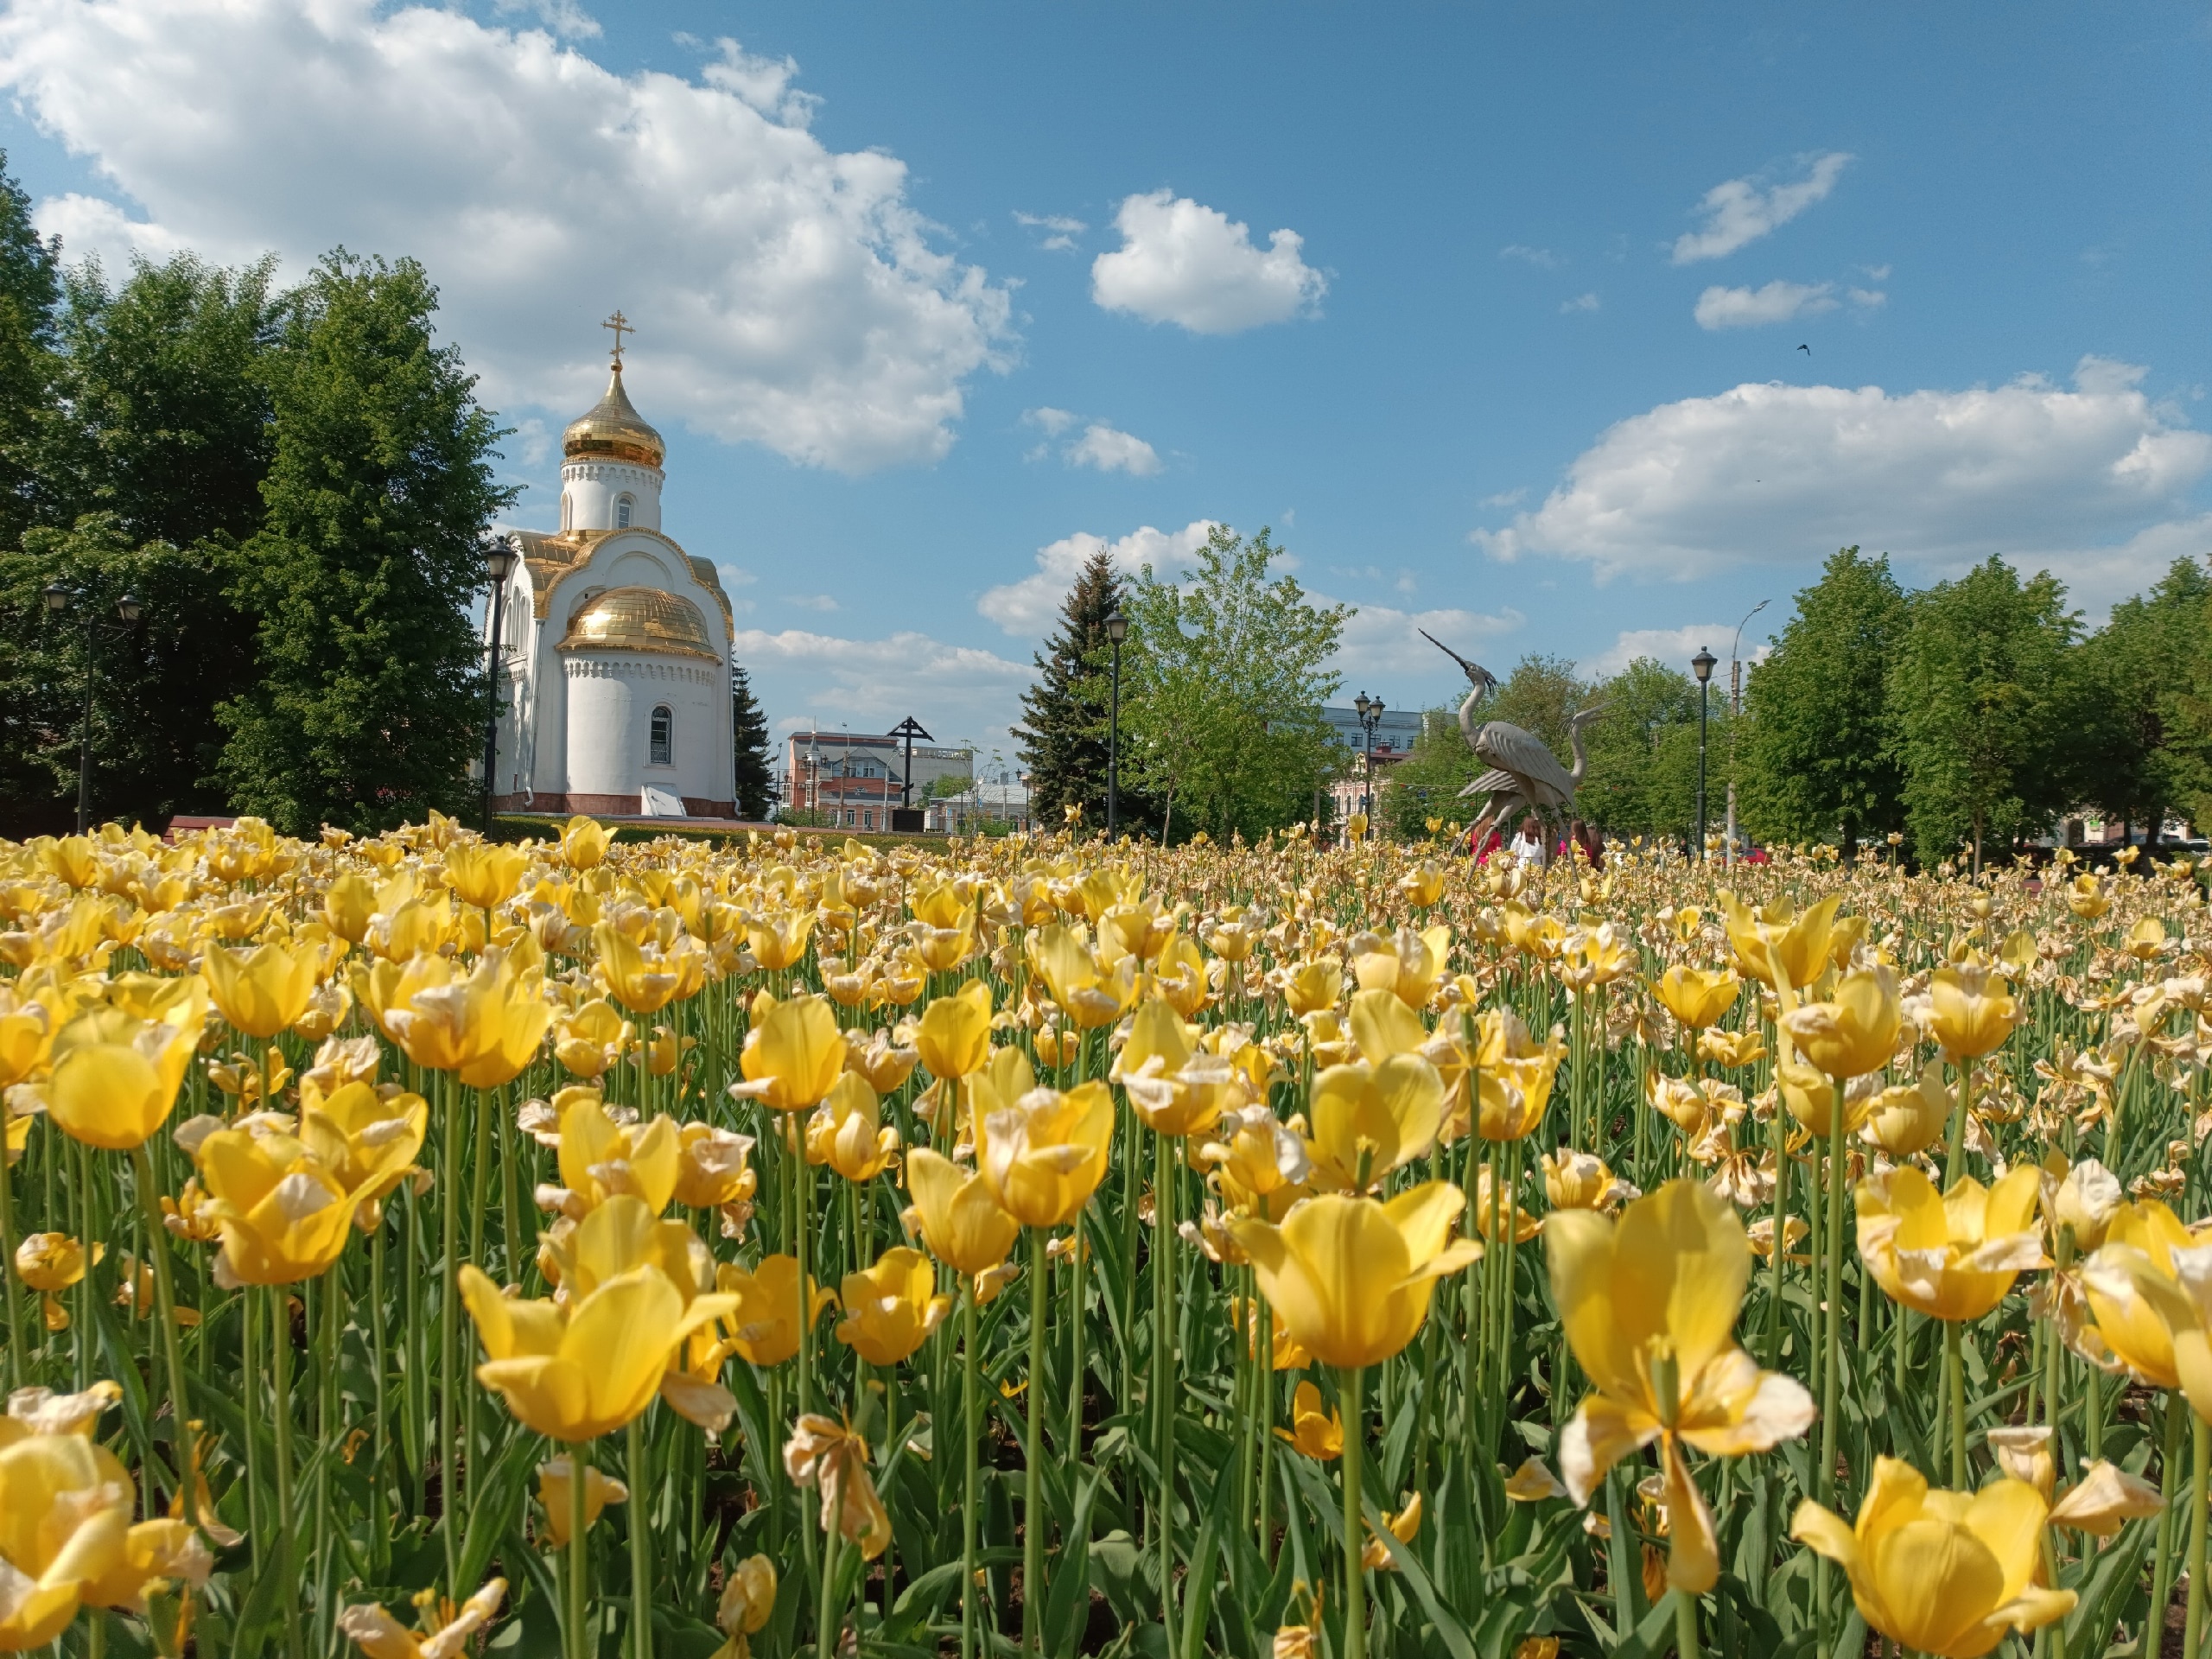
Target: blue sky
(1493,313)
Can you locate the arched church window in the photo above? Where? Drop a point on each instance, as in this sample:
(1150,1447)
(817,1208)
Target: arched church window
(568,513)
(660,742)
(624,507)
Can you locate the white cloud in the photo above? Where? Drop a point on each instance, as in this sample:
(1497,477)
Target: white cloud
(955,692)
(1784,475)
(1542,258)
(1740,211)
(1753,307)
(1054,421)
(813,602)
(1061,231)
(1580,302)
(1110,451)
(1381,640)
(1675,648)
(1866,298)
(1026,608)
(786,294)
(1512,497)
(564,17)
(1183,263)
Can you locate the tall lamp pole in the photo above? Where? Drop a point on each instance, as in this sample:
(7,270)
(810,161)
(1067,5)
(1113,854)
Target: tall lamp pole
(1117,629)
(1370,716)
(1702,665)
(1736,708)
(498,566)
(58,596)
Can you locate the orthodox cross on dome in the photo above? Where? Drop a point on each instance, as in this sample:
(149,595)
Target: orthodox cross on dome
(620,325)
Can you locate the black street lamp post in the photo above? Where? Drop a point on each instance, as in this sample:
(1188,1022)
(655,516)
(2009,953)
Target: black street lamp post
(1702,665)
(1370,716)
(499,557)
(1117,629)
(58,596)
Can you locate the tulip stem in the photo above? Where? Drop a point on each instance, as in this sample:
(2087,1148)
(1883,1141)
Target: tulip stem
(157,1249)
(1686,1645)
(16,1348)
(827,1623)
(641,1544)
(280,1349)
(2162,1573)
(1830,1373)
(969,1428)
(1954,1378)
(1032,1493)
(1955,1154)
(580,1643)
(1163,1366)
(2199,1463)
(449,1334)
(1351,1387)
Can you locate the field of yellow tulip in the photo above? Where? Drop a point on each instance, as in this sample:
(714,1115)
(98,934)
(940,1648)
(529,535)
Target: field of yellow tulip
(423,1246)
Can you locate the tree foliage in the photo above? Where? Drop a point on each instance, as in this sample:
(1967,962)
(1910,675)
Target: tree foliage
(1227,677)
(2143,676)
(30,298)
(755,768)
(1064,735)
(370,674)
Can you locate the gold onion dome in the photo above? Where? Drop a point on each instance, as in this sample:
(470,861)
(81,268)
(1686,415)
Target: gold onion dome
(639,618)
(612,429)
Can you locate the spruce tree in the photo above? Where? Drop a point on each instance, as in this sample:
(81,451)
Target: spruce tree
(755,768)
(370,697)
(1063,736)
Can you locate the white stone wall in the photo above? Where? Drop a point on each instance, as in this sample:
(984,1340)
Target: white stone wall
(611,697)
(591,490)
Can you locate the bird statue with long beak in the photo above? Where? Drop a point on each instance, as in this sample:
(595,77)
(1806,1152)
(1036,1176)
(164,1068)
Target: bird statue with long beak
(1524,776)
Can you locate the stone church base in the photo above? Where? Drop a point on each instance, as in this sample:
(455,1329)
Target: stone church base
(606,806)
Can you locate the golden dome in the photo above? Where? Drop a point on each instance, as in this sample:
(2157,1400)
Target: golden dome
(639,618)
(612,429)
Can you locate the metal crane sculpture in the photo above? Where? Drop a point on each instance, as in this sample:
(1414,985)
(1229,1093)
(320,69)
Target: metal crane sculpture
(1524,777)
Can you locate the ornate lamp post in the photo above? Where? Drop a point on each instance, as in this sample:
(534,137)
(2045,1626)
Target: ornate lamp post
(1736,708)
(1702,665)
(58,596)
(1370,716)
(1117,629)
(499,557)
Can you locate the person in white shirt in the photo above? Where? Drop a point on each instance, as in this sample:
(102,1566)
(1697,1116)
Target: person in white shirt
(1528,846)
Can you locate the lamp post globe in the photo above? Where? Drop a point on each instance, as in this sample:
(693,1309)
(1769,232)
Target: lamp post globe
(56,595)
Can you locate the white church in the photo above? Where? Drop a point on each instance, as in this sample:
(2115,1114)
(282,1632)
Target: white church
(616,647)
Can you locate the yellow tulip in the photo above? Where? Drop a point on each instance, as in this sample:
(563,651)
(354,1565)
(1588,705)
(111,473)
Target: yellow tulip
(576,1370)
(1855,1031)
(779,940)
(881,1060)
(116,1077)
(555,1496)
(484,1028)
(1090,994)
(1953,1255)
(1581,1180)
(590,1039)
(2084,1196)
(263,992)
(848,1133)
(283,1215)
(1649,1303)
(1777,941)
(1406,966)
(1498,1213)
(793,1053)
(1317,1431)
(66,1538)
(764,1321)
(1734,1049)
(1696,998)
(2141,1237)
(713,1166)
(380,1635)
(1404,1526)
(1943,1574)
(748,1599)
(2146,940)
(1175,1086)
(1350,1278)
(484,874)
(646,977)
(891,1306)
(1043,1155)
(1514,1074)
(583,844)
(1141,931)
(956,1215)
(1383,1027)
(1368,1120)
(365,1140)
(1808,1093)
(1972,1010)
(1902,1121)
(1311,987)
(600,1158)
(2105,1499)
(49,1263)
(1261,1158)
(348,904)
(954,1034)
(1591,958)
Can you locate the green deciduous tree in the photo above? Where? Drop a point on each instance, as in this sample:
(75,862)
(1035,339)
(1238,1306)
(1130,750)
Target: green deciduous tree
(1226,674)
(1818,752)
(2143,675)
(755,762)
(1643,775)
(1984,699)
(31,298)
(371,683)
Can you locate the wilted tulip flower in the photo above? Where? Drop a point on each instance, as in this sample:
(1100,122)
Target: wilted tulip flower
(748,1599)
(380,1635)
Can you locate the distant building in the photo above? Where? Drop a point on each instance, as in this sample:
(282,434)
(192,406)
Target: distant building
(1000,802)
(1395,732)
(855,776)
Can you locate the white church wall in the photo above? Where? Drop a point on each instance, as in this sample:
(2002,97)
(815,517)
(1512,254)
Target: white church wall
(611,697)
(591,493)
